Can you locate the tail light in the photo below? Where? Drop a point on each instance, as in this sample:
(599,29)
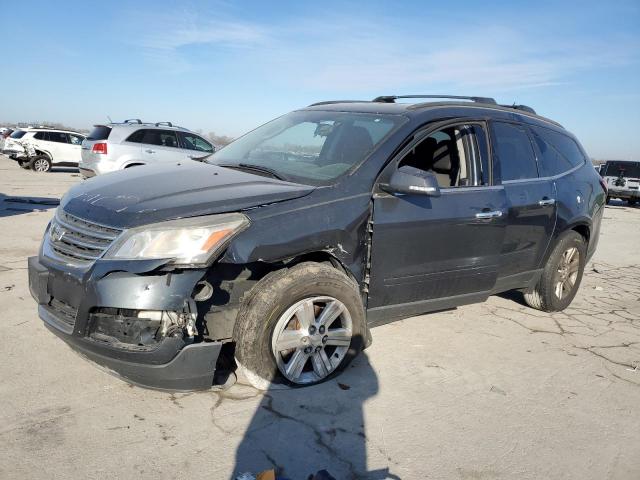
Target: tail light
(603,184)
(99,148)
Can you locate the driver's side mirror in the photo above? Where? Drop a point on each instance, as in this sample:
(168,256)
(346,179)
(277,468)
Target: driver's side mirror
(411,180)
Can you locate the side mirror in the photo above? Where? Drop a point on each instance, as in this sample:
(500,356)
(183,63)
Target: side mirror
(411,180)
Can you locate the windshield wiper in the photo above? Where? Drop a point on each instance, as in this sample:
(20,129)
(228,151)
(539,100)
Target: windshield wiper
(255,168)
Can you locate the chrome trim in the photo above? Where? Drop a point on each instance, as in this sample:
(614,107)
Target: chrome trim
(489,215)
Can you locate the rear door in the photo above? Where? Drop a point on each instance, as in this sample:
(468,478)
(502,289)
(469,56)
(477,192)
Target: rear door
(532,200)
(60,147)
(436,252)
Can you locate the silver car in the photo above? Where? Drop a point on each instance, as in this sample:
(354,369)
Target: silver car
(115,146)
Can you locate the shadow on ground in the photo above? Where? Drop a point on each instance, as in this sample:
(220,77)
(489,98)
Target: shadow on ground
(10,205)
(300,431)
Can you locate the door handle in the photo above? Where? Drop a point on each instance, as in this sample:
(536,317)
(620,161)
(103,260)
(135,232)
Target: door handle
(148,150)
(547,201)
(489,215)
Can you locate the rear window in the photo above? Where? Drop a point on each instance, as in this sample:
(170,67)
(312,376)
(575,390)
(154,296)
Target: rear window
(18,134)
(40,136)
(99,132)
(161,138)
(624,169)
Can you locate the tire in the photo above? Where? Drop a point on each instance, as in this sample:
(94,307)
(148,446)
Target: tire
(546,295)
(40,163)
(24,164)
(631,202)
(608,200)
(271,317)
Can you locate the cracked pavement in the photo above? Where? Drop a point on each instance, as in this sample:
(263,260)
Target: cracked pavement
(489,391)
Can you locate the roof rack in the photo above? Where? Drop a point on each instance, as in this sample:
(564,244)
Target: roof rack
(133,120)
(168,124)
(329,102)
(393,98)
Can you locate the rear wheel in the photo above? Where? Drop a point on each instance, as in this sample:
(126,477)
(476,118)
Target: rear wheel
(40,163)
(561,276)
(299,326)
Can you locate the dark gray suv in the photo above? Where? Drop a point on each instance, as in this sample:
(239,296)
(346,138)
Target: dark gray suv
(288,245)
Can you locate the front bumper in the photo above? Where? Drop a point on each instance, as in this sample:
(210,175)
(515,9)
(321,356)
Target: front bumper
(172,364)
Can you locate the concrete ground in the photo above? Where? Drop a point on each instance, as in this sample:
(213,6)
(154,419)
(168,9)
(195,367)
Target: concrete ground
(490,391)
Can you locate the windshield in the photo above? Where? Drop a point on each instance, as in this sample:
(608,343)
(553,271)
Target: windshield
(626,169)
(311,147)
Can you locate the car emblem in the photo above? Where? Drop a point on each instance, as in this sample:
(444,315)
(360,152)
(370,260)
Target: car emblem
(57,233)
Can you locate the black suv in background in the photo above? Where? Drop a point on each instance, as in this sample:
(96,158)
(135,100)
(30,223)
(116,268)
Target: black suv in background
(290,243)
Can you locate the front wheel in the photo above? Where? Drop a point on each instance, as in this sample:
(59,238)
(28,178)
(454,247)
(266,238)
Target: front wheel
(561,275)
(299,326)
(40,163)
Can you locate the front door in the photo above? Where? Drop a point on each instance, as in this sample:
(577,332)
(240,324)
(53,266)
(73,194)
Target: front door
(431,252)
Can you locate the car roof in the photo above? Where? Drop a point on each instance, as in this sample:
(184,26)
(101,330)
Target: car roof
(140,124)
(414,108)
(50,129)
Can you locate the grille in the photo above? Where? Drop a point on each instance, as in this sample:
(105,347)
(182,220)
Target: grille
(78,240)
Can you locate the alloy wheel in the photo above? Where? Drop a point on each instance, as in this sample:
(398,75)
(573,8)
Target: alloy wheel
(567,273)
(41,165)
(311,338)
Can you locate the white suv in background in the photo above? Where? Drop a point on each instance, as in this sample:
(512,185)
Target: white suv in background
(53,147)
(115,146)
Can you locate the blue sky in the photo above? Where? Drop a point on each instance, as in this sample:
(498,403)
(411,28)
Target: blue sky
(230,66)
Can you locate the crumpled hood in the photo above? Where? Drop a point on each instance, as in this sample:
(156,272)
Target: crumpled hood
(154,193)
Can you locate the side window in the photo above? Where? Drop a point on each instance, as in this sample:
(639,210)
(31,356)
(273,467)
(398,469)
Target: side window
(75,139)
(194,142)
(513,154)
(558,153)
(40,136)
(454,155)
(59,137)
(136,137)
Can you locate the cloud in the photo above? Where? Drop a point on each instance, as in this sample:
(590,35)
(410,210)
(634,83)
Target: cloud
(337,53)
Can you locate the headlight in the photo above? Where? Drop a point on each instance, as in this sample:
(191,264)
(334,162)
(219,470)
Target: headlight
(188,242)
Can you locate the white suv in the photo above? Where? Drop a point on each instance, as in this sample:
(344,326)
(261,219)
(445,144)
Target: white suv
(115,146)
(51,147)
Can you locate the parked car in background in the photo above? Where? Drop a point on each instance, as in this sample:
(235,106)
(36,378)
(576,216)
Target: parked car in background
(116,146)
(11,146)
(622,179)
(4,134)
(53,147)
(292,241)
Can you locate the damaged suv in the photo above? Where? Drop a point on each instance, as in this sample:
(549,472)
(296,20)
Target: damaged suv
(289,244)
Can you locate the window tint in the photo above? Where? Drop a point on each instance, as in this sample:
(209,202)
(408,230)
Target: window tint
(59,137)
(136,137)
(557,152)
(194,142)
(512,147)
(161,138)
(41,136)
(17,134)
(452,154)
(100,132)
(75,139)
